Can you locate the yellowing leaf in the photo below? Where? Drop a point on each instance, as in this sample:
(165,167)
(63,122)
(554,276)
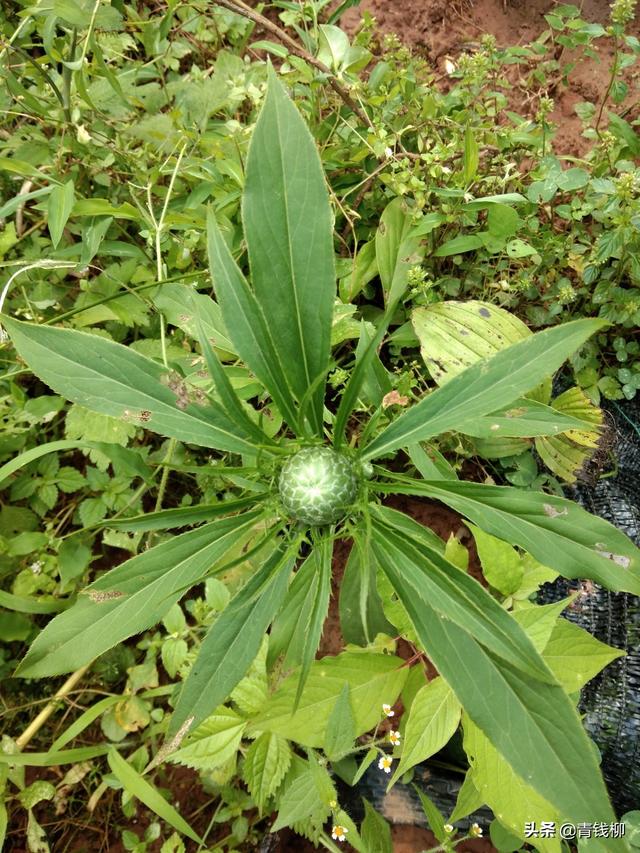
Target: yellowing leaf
(575,657)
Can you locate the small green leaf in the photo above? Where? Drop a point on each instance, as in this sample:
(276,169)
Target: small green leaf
(59,207)
(433,814)
(433,718)
(213,743)
(341,727)
(501,564)
(575,656)
(265,765)
(375,831)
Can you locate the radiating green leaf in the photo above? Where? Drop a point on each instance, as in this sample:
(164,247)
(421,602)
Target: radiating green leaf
(111,379)
(471,155)
(246,324)
(415,571)
(233,642)
(289,233)
(556,532)
(485,386)
(307,795)
(397,249)
(531,724)
(132,597)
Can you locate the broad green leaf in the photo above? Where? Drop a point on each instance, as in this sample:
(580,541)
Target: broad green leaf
(375,831)
(454,335)
(501,564)
(341,727)
(265,765)
(113,380)
(420,574)
(182,306)
(59,207)
(433,718)
(246,324)
(566,454)
(138,787)
(511,799)
(373,679)
(289,233)
(575,657)
(213,743)
(556,532)
(532,725)
(232,643)
(539,620)
(132,597)
(485,386)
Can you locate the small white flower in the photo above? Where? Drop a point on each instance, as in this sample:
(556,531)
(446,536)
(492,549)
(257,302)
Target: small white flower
(338,832)
(36,567)
(387,710)
(394,737)
(388,153)
(448,828)
(385,763)
(475,831)
(449,66)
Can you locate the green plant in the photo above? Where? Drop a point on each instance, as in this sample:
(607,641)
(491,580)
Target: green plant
(280,327)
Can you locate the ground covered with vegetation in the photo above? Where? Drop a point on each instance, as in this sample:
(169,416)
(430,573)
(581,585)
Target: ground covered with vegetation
(305,334)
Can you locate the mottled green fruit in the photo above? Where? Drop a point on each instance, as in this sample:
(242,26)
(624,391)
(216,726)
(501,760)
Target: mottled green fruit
(318,486)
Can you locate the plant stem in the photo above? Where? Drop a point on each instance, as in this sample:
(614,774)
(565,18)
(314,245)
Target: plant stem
(612,78)
(34,727)
(240,8)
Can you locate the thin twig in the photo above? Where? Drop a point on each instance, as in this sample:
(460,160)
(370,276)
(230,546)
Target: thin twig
(34,727)
(239,8)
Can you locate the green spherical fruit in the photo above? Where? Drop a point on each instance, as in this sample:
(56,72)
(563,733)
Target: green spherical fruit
(318,486)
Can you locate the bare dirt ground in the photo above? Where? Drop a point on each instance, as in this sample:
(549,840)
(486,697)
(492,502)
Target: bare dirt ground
(442,29)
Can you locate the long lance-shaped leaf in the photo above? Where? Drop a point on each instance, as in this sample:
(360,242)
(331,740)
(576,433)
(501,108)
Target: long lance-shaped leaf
(485,387)
(525,418)
(289,232)
(298,627)
(182,516)
(232,643)
(531,723)
(113,380)
(455,595)
(557,532)
(246,324)
(228,397)
(132,597)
